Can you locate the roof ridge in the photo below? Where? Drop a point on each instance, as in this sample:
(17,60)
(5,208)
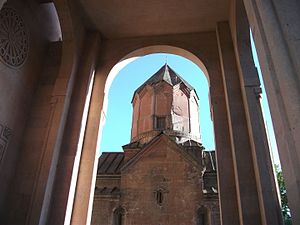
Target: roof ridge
(133,160)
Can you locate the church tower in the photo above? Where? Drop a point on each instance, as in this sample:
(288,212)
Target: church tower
(165,103)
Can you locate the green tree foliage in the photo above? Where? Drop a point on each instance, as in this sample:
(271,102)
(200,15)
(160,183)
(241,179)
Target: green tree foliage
(286,213)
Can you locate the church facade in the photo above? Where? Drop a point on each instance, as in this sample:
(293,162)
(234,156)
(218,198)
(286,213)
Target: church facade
(164,176)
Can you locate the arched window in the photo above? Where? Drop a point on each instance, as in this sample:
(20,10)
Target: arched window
(202,216)
(159,197)
(118,216)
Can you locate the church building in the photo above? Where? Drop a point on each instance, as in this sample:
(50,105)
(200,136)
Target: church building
(164,176)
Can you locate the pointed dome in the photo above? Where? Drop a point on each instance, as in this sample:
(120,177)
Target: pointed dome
(167,74)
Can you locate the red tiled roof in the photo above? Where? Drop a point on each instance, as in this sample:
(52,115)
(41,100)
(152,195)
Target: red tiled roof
(110,163)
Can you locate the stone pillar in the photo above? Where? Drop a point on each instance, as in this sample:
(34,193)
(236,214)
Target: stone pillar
(250,86)
(247,194)
(67,168)
(226,180)
(276,31)
(83,199)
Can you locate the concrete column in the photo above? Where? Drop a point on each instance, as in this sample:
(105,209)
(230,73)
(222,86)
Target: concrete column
(226,180)
(67,171)
(276,31)
(250,86)
(247,194)
(225,167)
(83,199)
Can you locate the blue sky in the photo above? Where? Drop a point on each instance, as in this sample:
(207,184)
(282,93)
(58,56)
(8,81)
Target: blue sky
(116,132)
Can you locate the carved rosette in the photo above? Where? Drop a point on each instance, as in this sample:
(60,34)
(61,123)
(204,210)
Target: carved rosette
(13,38)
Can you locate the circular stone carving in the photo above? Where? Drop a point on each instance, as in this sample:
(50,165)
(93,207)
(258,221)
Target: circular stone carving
(13,38)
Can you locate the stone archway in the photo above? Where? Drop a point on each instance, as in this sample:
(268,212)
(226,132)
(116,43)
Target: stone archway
(232,157)
(110,55)
(276,32)
(92,150)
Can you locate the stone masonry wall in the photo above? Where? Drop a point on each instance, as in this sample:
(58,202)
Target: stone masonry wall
(162,169)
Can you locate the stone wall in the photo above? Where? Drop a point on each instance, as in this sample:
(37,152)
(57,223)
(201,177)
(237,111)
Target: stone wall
(105,202)
(21,63)
(33,157)
(162,170)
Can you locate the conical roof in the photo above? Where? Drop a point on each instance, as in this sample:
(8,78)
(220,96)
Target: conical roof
(167,74)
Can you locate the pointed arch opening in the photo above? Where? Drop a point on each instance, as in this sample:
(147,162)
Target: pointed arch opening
(118,216)
(202,216)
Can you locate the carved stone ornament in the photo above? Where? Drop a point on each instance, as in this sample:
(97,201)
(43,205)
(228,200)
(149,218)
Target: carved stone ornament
(5,134)
(13,38)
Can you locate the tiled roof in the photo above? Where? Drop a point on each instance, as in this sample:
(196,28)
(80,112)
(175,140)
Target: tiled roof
(193,149)
(110,163)
(210,185)
(107,191)
(167,74)
(209,160)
